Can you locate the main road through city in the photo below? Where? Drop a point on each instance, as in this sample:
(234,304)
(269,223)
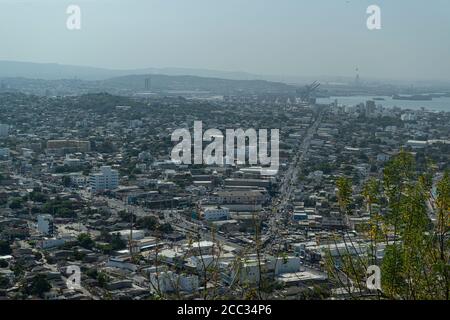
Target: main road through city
(288,182)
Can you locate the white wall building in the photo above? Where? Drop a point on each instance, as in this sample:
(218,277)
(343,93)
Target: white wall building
(71,162)
(249,272)
(285,264)
(77,179)
(169,281)
(408,117)
(216,213)
(202,262)
(417,143)
(51,243)
(45,224)
(121,263)
(106,179)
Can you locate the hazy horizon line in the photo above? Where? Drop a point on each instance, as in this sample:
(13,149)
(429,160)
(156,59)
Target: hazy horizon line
(256,76)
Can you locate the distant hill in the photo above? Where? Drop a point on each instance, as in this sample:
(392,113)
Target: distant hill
(131,84)
(54,71)
(194,83)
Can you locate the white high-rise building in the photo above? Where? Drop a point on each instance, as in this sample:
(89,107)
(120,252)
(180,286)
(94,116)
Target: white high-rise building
(106,179)
(45,224)
(4,130)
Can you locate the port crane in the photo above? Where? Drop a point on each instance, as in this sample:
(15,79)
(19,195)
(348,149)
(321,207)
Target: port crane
(307,92)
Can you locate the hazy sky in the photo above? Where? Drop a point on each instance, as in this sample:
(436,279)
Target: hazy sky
(284,37)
